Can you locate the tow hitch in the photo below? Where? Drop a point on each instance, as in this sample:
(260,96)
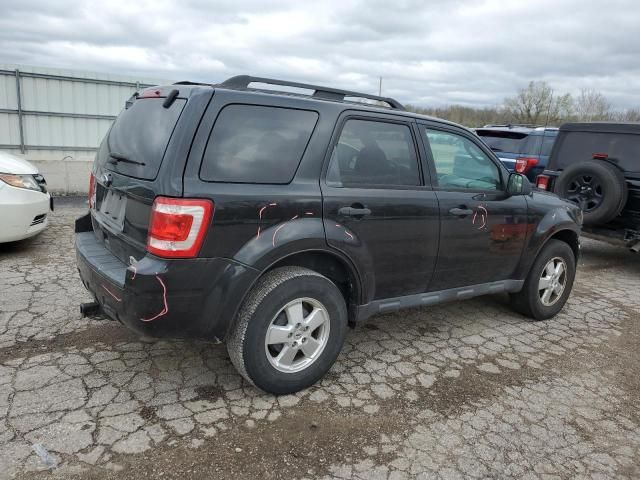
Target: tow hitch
(632,237)
(90,309)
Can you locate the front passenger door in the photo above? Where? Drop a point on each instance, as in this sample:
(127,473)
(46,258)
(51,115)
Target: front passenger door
(482,229)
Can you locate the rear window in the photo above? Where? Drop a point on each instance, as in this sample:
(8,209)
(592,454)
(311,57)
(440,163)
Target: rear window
(539,145)
(547,145)
(509,142)
(257,144)
(622,149)
(139,137)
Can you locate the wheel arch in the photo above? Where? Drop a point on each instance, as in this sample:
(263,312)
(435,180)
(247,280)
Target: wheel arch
(567,236)
(566,231)
(331,264)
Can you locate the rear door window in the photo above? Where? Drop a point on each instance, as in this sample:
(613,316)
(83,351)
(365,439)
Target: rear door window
(257,144)
(137,141)
(374,153)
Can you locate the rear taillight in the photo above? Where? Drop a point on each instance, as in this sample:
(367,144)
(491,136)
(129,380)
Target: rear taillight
(178,226)
(524,164)
(92,191)
(600,156)
(542,182)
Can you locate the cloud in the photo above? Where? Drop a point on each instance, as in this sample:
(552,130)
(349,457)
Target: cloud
(429,53)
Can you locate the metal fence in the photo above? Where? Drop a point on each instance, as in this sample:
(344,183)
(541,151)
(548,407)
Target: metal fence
(47,111)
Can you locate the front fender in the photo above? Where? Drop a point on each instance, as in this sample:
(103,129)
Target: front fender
(549,223)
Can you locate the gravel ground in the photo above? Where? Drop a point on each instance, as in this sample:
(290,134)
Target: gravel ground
(463,390)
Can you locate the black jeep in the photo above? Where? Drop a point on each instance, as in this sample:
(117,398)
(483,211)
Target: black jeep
(271,220)
(597,166)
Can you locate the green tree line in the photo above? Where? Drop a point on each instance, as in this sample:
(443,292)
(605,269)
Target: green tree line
(536,104)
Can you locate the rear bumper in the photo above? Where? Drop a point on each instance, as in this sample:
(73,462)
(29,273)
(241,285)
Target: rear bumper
(163,298)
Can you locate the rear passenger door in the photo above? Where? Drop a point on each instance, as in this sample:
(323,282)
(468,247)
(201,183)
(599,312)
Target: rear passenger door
(482,229)
(377,206)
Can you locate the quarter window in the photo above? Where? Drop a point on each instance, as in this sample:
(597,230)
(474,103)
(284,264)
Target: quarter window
(257,144)
(374,153)
(460,163)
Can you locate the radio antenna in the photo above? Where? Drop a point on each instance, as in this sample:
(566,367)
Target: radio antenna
(546,122)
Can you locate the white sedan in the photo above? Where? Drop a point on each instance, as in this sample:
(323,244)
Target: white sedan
(24,200)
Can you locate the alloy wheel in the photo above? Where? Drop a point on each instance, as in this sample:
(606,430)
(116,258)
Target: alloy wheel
(297,335)
(553,281)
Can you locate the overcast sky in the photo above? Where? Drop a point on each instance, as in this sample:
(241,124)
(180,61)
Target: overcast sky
(429,52)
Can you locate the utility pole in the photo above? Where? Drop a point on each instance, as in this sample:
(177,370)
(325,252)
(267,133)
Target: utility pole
(380,87)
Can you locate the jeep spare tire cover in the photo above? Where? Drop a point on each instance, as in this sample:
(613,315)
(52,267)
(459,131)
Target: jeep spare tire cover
(597,186)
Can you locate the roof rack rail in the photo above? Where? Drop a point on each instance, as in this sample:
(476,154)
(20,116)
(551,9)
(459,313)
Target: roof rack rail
(243,81)
(511,125)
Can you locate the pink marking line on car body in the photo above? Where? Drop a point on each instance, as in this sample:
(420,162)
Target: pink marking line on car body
(117,299)
(483,216)
(346,231)
(273,240)
(260,212)
(165,309)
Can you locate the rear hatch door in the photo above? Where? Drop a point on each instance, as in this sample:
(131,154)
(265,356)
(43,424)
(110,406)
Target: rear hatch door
(143,156)
(507,145)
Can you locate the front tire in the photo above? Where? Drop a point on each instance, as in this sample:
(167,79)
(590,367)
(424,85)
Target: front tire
(549,282)
(289,331)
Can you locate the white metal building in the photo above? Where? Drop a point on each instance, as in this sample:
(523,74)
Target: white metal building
(56,118)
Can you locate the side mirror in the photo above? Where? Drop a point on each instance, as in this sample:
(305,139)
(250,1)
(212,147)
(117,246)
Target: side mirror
(518,185)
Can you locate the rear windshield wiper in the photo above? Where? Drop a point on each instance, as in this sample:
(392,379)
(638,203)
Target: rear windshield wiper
(116,158)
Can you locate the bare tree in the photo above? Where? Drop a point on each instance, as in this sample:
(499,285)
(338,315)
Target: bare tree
(465,115)
(629,115)
(537,104)
(592,105)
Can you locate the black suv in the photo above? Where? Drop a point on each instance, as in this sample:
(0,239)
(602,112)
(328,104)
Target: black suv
(273,220)
(597,166)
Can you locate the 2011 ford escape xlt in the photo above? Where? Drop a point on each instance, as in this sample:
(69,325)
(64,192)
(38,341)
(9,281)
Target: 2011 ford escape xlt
(272,220)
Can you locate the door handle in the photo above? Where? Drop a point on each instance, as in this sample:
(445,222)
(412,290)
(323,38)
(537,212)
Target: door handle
(461,212)
(358,211)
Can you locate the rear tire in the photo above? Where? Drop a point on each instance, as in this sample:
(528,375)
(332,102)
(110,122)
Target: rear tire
(598,187)
(544,293)
(289,331)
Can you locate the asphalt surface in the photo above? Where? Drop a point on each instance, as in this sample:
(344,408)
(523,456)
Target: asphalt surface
(463,390)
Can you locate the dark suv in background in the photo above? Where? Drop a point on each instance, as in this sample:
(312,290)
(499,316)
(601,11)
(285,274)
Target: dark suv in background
(521,148)
(597,166)
(272,220)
